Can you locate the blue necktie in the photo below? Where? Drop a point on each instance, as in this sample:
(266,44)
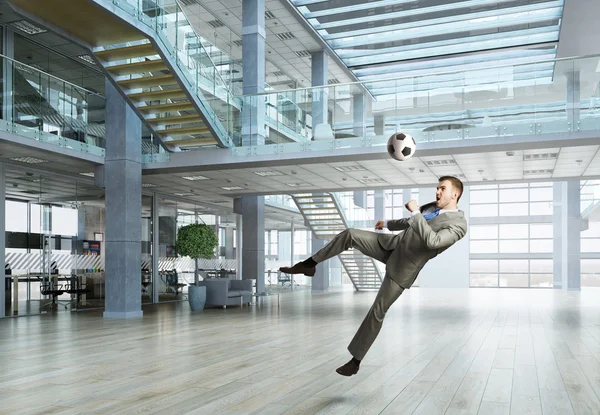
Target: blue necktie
(432,214)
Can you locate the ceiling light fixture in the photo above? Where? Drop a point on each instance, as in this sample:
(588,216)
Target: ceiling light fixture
(87,58)
(148,185)
(90,174)
(229,188)
(268,173)
(29,160)
(193,178)
(352,167)
(29,28)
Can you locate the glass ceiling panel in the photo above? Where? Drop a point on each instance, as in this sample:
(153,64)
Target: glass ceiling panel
(390,38)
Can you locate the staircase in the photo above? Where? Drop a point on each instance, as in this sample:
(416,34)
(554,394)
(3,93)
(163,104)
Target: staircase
(323,213)
(161,68)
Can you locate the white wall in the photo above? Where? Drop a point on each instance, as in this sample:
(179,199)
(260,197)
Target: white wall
(450,269)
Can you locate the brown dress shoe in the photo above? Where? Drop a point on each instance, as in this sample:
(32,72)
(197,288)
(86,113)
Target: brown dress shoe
(348,369)
(299,268)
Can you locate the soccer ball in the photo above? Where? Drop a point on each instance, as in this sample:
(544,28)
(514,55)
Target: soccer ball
(401,146)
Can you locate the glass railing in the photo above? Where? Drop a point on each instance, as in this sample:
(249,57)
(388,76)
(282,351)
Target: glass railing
(281,201)
(356,216)
(552,96)
(45,108)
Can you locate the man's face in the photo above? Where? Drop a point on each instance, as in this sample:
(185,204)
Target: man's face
(444,194)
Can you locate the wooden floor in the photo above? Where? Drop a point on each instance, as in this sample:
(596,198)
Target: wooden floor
(478,351)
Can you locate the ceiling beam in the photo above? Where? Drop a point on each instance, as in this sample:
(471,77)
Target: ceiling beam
(225,159)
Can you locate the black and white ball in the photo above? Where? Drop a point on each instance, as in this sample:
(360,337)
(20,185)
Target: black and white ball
(401,146)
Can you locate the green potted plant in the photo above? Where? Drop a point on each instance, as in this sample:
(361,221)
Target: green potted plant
(196,240)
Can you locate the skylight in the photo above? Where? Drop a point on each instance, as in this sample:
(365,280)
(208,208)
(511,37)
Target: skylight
(385,39)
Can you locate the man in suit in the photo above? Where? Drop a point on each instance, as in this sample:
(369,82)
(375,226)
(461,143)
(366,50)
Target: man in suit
(429,231)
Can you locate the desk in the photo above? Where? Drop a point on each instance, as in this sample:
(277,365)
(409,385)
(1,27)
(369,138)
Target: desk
(81,285)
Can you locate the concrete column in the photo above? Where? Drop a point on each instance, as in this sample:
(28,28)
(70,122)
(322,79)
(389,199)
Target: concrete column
(379,212)
(123,184)
(320,282)
(253,66)
(567,235)
(229,243)
(379,124)
(2,239)
(8,49)
(360,198)
(406,196)
(573,99)
(238,243)
(319,70)
(292,243)
(155,246)
(358,107)
(252,209)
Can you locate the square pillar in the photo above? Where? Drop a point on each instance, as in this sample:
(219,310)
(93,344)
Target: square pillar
(123,184)
(379,124)
(253,67)
(567,235)
(319,70)
(320,282)
(379,204)
(358,107)
(573,99)
(252,209)
(8,49)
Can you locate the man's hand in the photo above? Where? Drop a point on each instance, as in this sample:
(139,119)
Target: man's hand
(412,206)
(379,225)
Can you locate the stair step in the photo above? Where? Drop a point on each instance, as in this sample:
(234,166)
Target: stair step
(127,52)
(170,107)
(178,119)
(148,81)
(157,95)
(174,132)
(191,142)
(137,67)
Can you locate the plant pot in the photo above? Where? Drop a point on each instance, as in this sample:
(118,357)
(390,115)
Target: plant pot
(196,297)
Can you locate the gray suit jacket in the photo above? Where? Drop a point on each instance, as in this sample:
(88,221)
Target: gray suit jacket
(421,241)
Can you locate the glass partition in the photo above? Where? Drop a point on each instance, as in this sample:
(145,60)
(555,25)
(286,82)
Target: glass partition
(46,108)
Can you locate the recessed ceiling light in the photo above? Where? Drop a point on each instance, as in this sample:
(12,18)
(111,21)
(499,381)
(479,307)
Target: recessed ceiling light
(297,184)
(29,28)
(148,185)
(352,167)
(543,156)
(87,58)
(183,194)
(90,174)
(232,188)
(29,160)
(194,178)
(367,181)
(268,173)
(541,171)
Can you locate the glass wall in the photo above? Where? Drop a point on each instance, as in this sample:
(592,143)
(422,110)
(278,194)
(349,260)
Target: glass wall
(511,235)
(590,237)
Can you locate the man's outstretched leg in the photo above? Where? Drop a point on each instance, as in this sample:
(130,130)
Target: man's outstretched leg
(369,329)
(369,243)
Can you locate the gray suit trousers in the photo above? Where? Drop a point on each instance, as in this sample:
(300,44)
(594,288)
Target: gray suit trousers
(378,246)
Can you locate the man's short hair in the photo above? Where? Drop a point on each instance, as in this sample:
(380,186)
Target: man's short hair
(456,184)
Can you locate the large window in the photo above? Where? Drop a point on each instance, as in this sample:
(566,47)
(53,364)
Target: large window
(519,199)
(510,249)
